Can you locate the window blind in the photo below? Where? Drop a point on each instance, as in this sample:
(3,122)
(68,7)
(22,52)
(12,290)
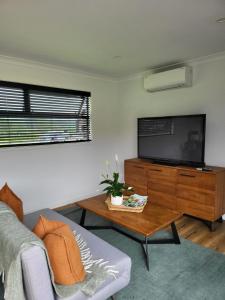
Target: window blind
(11,99)
(41,115)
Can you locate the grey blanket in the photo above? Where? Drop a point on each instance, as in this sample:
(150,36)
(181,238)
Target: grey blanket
(14,239)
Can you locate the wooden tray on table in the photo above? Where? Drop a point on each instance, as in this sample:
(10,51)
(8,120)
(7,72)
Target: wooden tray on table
(123,207)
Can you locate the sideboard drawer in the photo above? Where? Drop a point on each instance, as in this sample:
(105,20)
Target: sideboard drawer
(197,179)
(135,170)
(158,173)
(204,197)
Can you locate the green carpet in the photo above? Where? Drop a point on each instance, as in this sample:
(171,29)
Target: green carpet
(185,272)
(177,272)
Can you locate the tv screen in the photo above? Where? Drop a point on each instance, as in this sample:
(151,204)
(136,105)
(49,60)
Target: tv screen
(174,139)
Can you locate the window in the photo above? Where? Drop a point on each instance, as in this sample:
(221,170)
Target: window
(41,115)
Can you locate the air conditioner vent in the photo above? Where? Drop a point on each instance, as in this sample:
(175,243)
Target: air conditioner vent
(179,77)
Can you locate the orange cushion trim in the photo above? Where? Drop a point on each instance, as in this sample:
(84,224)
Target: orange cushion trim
(12,200)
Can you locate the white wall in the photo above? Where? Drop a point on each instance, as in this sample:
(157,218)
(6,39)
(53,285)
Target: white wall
(54,175)
(206,96)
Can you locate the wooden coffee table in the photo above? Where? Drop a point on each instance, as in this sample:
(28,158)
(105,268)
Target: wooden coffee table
(151,220)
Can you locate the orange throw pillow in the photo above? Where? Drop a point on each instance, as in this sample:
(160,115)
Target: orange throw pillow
(64,255)
(45,226)
(15,203)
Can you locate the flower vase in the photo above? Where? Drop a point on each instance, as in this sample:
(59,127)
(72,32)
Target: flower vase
(116,200)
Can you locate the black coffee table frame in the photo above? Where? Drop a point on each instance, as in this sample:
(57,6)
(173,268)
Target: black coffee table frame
(144,243)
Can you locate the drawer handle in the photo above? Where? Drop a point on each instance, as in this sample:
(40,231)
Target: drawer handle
(137,167)
(187,175)
(157,170)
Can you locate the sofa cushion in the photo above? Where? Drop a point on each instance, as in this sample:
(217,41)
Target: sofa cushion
(64,255)
(45,226)
(12,200)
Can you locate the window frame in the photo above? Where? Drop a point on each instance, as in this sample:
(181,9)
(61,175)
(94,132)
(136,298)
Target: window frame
(27,89)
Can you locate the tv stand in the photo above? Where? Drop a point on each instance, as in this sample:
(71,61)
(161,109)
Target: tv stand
(194,192)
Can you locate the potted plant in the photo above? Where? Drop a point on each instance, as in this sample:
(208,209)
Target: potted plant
(114,188)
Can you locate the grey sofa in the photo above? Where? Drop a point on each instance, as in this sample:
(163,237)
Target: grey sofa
(36,277)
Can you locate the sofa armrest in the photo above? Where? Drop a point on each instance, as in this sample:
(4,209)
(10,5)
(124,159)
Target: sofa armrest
(37,282)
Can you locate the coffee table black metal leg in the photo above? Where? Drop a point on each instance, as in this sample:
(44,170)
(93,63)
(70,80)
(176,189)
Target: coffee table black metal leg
(220,220)
(82,219)
(144,245)
(175,233)
(146,250)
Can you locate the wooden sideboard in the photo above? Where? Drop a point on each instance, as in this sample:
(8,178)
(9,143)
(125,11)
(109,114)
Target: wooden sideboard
(196,193)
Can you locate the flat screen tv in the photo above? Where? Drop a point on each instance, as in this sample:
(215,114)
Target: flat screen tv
(173,140)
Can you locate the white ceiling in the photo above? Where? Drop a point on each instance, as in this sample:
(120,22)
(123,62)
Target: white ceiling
(88,34)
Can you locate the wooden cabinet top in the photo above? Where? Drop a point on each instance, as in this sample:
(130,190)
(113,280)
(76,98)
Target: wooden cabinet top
(146,163)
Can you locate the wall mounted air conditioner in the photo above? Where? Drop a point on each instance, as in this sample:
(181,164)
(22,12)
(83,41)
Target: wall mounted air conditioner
(179,77)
